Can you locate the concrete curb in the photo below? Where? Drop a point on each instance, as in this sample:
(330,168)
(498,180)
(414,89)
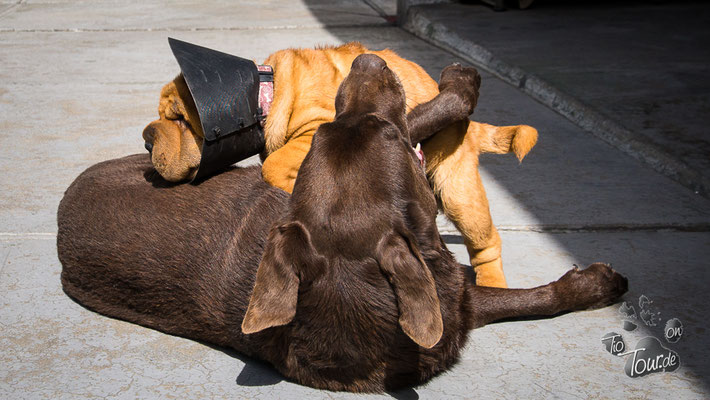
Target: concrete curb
(634,144)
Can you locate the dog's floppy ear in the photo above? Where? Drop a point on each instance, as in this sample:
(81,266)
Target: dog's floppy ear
(273,300)
(413,284)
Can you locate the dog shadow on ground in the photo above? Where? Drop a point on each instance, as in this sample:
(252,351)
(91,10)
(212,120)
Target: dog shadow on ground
(257,373)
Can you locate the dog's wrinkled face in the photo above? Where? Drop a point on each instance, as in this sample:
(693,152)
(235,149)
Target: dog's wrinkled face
(175,139)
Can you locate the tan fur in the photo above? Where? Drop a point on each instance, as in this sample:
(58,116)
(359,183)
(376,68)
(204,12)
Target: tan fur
(177,136)
(306,82)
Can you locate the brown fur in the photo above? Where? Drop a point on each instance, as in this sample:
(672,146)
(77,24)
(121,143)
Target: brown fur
(355,289)
(306,81)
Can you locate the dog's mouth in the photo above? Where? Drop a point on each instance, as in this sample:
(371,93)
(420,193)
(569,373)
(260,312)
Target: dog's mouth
(420,155)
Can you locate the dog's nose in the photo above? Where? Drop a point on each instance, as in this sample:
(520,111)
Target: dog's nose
(149,135)
(369,62)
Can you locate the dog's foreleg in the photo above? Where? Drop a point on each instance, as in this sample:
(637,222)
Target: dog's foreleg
(596,286)
(458,96)
(434,116)
(452,168)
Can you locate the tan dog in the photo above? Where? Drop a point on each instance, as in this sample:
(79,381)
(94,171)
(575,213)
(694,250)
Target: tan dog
(306,82)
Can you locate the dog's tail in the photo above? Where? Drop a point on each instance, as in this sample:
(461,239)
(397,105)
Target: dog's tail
(519,139)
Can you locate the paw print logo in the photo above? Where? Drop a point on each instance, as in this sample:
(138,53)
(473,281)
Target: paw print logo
(649,355)
(629,313)
(649,317)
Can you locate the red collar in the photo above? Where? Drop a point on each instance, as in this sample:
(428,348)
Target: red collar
(266,90)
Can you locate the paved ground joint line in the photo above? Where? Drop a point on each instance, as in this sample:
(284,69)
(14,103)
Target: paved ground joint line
(541,228)
(607,228)
(4,262)
(383,24)
(594,228)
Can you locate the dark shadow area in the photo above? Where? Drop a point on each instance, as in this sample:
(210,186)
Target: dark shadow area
(255,372)
(672,274)
(640,63)
(572,180)
(405,394)
(259,373)
(452,239)
(153,177)
(566,4)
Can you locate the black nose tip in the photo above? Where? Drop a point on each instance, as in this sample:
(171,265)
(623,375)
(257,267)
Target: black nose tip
(368,62)
(149,147)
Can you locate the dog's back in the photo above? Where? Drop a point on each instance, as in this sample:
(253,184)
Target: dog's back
(166,256)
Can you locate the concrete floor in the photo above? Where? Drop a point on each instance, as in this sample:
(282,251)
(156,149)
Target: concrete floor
(79,81)
(634,73)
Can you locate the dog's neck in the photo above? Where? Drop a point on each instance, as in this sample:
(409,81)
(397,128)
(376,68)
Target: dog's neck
(266,90)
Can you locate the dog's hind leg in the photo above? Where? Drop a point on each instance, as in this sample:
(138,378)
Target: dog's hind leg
(452,167)
(596,286)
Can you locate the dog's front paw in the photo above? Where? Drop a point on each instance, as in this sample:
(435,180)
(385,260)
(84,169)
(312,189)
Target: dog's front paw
(595,286)
(463,81)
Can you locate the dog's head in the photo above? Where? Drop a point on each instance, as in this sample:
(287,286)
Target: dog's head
(360,208)
(175,139)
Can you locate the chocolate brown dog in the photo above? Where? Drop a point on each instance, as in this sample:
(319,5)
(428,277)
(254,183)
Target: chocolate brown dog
(352,288)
